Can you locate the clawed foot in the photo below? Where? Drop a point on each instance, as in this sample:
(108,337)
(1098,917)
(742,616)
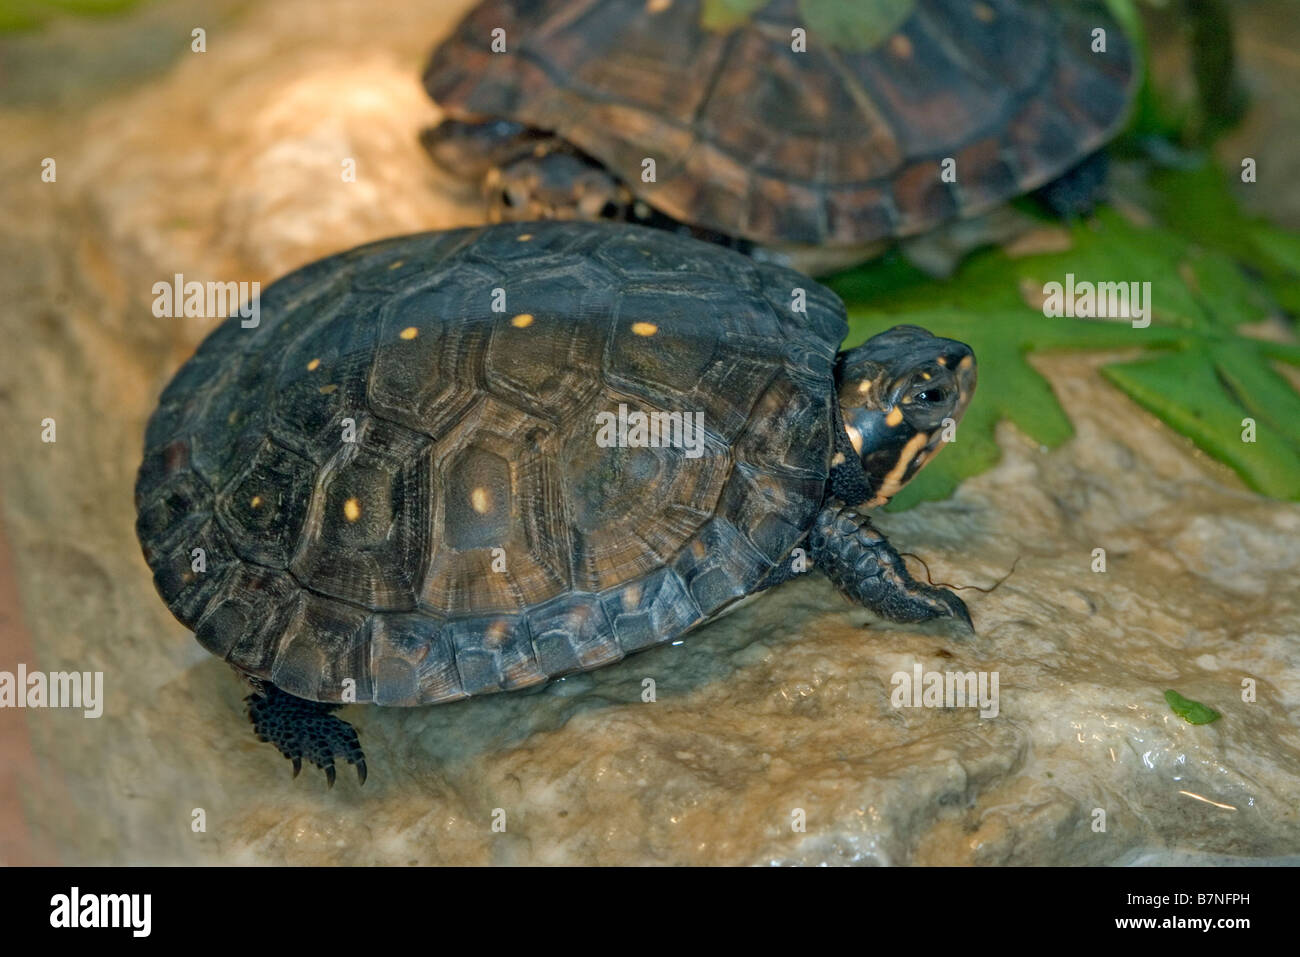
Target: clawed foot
(862,563)
(304,729)
(927,602)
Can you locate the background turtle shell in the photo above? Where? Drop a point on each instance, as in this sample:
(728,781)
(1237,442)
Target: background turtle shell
(475,431)
(839,145)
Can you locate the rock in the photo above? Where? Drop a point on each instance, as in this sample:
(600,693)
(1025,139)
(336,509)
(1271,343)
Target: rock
(226,166)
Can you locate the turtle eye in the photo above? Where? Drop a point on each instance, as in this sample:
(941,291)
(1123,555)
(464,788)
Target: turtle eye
(933,395)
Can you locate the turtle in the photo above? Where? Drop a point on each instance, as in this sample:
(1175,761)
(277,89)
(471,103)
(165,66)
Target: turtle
(810,131)
(461,462)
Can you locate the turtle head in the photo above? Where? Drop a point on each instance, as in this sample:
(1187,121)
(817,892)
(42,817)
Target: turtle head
(525,173)
(552,185)
(899,392)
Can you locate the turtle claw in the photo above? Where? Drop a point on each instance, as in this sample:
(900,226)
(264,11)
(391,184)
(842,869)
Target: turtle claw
(865,567)
(305,729)
(957,609)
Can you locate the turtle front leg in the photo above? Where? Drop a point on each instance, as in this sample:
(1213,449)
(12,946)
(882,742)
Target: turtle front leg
(863,565)
(304,729)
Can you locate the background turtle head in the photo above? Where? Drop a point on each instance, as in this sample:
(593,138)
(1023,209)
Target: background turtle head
(525,174)
(552,185)
(898,391)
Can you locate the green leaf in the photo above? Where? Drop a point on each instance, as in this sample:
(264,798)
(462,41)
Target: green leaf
(848,26)
(728,14)
(1193,712)
(1184,390)
(854,26)
(1198,374)
(28,14)
(1199,206)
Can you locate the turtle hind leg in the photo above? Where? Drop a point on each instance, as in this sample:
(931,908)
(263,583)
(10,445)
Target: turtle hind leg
(863,565)
(304,729)
(1076,192)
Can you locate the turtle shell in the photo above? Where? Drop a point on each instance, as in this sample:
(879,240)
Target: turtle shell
(840,144)
(396,477)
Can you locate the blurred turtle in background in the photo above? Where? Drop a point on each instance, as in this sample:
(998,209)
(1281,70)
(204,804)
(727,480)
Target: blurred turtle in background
(812,131)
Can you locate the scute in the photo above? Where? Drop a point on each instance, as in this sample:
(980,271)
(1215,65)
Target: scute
(367,526)
(443,522)
(836,145)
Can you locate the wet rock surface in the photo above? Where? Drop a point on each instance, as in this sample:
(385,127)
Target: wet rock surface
(226,165)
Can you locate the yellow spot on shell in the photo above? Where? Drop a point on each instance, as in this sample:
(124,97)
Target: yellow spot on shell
(855,438)
(481,500)
(942,360)
(410,332)
(983,12)
(352,510)
(397,264)
(524,237)
(256,501)
(894,416)
(644,328)
(313,365)
(327,389)
(900,46)
(657,6)
(522,321)
(496,633)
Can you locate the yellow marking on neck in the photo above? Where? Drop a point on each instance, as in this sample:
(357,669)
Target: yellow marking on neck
(900,46)
(925,376)
(352,510)
(644,328)
(894,480)
(480,500)
(894,417)
(865,385)
(943,361)
(522,321)
(256,501)
(313,365)
(410,332)
(966,362)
